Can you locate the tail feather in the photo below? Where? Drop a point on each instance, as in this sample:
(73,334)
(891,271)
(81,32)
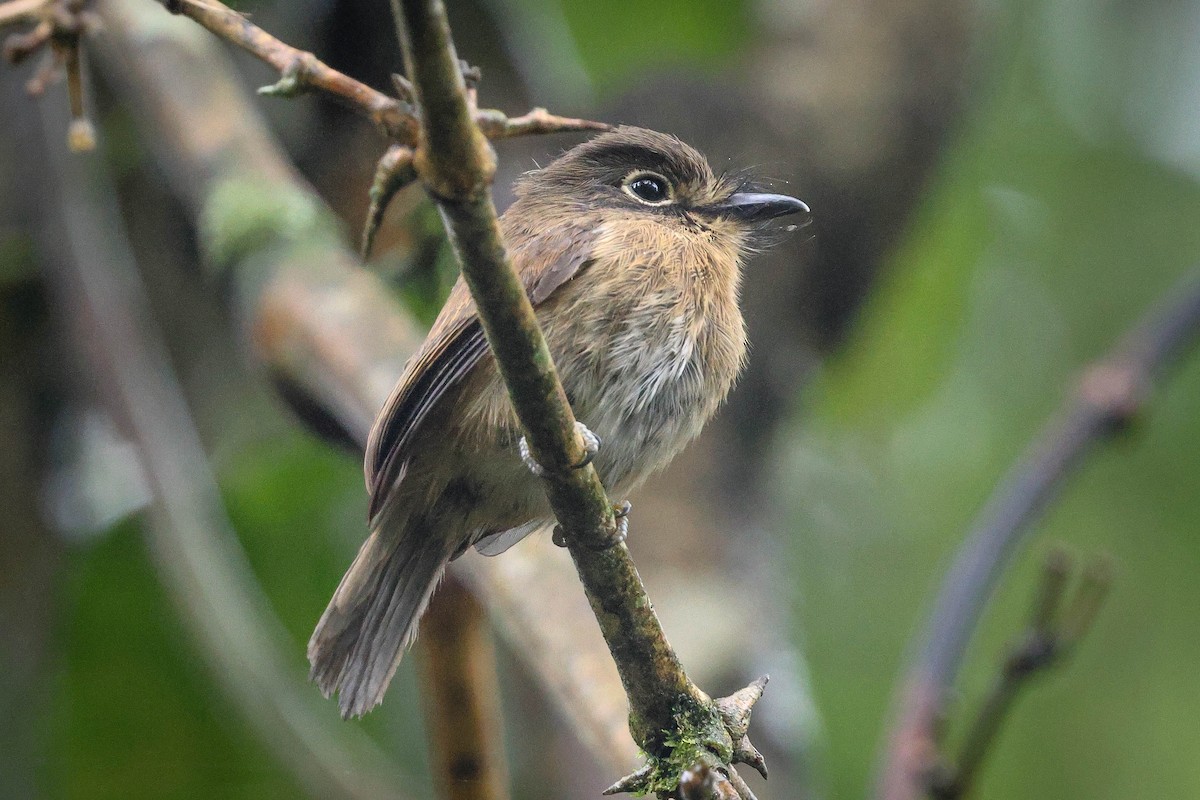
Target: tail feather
(373,617)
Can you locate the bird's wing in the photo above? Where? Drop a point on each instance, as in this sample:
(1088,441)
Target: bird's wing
(455,345)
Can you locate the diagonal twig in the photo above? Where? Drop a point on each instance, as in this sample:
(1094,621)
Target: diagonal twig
(302,71)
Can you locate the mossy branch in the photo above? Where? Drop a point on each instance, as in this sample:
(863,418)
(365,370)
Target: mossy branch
(672,720)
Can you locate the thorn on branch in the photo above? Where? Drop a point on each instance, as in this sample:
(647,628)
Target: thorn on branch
(735,711)
(635,783)
(736,708)
(496,125)
(296,78)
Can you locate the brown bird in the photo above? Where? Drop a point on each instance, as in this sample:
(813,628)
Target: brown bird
(630,249)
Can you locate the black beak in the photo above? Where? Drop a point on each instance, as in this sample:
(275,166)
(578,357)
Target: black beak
(755,207)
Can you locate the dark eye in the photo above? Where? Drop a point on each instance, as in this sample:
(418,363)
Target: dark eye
(648,188)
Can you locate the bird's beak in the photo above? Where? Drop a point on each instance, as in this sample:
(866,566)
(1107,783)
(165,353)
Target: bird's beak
(755,207)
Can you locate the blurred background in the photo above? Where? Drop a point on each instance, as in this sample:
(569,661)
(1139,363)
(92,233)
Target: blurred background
(999,190)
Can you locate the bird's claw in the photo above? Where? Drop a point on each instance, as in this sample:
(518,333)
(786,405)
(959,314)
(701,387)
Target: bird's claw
(591,446)
(620,514)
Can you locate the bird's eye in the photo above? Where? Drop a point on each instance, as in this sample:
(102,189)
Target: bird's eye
(649,188)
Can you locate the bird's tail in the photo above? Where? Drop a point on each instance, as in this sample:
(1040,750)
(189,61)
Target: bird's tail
(373,616)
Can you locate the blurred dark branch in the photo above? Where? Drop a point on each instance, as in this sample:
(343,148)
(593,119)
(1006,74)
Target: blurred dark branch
(1055,627)
(190,538)
(1109,396)
(33,557)
(462,697)
(670,717)
(331,328)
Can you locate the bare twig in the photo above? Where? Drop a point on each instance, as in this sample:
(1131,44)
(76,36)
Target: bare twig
(1054,630)
(1109,396)
(670,717)
(325,325)
(299,70)
(302,71)
(462,697)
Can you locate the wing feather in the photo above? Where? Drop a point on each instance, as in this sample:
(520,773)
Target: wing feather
(455,345)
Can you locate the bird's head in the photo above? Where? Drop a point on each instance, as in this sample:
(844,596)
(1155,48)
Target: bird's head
(649,175)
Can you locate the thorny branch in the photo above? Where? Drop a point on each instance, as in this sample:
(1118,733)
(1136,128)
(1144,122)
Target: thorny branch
(1109,396)
(672,719)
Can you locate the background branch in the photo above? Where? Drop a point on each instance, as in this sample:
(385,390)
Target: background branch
(462,698)
(189,535)
(1055,627)
(1109,396)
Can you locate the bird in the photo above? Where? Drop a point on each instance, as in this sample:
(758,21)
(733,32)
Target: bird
(630,248)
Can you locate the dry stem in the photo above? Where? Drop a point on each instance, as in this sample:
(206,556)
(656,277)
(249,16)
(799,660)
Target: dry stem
(302,71)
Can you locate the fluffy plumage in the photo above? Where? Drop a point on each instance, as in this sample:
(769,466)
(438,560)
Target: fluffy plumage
(639,305)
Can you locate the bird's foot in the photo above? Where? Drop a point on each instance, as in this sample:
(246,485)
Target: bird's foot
(620,514)
(591,446)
